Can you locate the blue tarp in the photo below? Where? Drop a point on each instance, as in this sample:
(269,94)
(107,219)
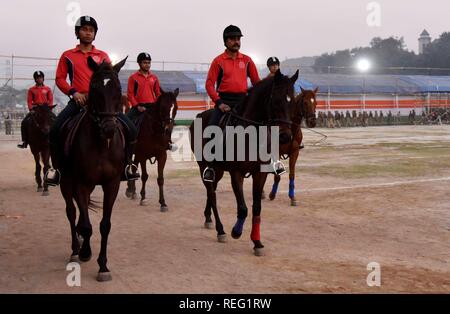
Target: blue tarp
(194,82)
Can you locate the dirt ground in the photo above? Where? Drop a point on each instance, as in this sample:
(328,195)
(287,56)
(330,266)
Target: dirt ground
(377,194)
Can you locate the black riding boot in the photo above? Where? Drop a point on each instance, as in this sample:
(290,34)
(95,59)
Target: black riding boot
(128,174)
(24,132)
(53,176)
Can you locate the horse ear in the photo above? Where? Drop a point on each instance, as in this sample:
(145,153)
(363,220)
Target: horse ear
(294,77)
(316,90)
(92,64)
(303,91)
(176,92)
(119,65)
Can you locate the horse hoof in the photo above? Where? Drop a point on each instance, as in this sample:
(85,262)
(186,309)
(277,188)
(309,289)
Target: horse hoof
(39,190)
(235,235)
(258,251)
(294,203)
(271,196)
(45,193)
(164,209)
(128,194)
(102,277)
(74,259)
(209,225)
(222,238)
(133,196)
(263,196)
(143,203)
(85,259)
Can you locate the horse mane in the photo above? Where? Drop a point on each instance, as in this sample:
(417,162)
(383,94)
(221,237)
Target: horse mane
(252,103)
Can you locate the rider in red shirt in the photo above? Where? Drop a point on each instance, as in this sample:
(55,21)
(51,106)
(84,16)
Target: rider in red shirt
(38,95)
(143,91)
(73,64)
(226,83)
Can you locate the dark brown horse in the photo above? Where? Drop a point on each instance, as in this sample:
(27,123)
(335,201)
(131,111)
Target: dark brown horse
(153,139)
(304,107)
(97,157)
(267,104)
(38,130)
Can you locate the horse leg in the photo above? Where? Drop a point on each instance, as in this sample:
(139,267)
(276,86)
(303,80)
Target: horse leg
(258,185)
(276,182)
(131,185)
(211,195)
(263,195)
(208,221)
(144,178)
(84,227)
(37,172)
(110,191)
(237,182)
(46,161)
(160,180)
(71,212)
(292,161)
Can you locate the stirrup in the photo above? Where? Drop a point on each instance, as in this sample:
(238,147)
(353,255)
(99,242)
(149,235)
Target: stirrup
(54,181)
(279,168)
(213,175)
(136,175)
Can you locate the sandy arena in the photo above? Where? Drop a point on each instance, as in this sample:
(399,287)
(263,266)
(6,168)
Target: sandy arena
(378,194)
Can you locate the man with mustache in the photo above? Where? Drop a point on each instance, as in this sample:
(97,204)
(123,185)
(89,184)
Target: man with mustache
(226,83)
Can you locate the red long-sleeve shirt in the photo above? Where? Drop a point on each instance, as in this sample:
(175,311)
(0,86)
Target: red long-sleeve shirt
(39,95)
(230,75)
(73,63)
(142,89)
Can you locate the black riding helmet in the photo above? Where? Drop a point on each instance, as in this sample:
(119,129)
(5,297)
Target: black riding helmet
(86,20)
(38,74)
(231,31)
(143,56)
(273,61)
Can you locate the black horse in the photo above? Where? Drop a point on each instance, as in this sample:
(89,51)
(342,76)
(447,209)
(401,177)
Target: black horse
(97,157)
(267,104)
(38,130)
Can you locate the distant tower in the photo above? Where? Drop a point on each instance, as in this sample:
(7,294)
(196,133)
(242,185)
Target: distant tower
(424,41)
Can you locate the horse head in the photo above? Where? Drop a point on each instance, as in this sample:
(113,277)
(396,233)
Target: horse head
(269,102)
(168,108)
(105,95)
(42,118)
(307,104)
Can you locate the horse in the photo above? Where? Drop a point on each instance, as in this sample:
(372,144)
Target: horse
(156,127)
(304,108)
(97,157)
(266,104)
(38,131)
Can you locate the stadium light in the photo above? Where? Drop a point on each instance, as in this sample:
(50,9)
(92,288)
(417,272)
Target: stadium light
(363,65)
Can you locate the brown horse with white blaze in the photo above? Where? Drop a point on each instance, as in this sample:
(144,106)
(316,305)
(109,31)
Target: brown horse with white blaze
(155,130)
(304,108)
